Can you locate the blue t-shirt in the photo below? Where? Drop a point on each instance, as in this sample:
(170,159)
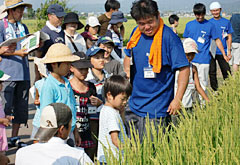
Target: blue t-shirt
(38,85)
(235,21)
(54,91)
(15,66)
(153,95)
(202,33)
(54,38)
(223,28)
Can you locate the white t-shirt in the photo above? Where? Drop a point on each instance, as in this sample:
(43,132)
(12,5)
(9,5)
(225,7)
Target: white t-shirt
(188,95)
(55,151)
(78,41)
(109,120)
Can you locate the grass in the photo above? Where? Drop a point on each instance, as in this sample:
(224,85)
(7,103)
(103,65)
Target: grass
(210,136)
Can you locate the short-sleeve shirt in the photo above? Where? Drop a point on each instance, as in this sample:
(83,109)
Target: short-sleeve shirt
(104,21)
(110,120)
(235,21)
(223,28)
(15,66)
(114,67)
(202,33)
(55,37)
(153,95)
(54,91)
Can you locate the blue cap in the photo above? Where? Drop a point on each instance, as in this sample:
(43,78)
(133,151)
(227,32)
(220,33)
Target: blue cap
(94,50)
(57,10)
(104,40)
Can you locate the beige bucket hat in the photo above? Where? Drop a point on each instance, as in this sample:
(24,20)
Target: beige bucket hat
(59,53)
(2,14)
(10,4)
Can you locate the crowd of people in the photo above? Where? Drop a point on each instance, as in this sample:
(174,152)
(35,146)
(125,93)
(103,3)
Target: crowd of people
(87,91)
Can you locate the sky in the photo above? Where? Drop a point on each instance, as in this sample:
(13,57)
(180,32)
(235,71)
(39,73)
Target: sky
(164,5)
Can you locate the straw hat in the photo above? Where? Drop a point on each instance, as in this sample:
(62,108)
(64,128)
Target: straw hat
(10,4)
(2,14)
(59,53)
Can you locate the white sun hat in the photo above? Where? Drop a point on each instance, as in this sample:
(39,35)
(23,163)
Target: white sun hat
(215,5)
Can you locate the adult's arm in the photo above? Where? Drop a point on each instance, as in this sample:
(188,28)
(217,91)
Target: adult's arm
(220,46)
(126,66)
(229,46)
(183,77)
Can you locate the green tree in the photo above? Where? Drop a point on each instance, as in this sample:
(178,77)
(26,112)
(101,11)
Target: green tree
(30,13)
(42,15)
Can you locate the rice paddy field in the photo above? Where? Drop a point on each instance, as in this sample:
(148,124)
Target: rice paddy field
(211,135)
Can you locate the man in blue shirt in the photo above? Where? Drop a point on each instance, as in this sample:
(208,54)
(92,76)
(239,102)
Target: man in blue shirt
(153,90)
(224,32)
(203,31)
(15,90)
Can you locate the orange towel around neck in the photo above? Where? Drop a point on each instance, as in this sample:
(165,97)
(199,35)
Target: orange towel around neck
(155,57)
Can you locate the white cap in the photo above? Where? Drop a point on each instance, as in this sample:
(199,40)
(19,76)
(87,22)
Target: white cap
(190,46)
(215,5)
(92,21)
(2,14)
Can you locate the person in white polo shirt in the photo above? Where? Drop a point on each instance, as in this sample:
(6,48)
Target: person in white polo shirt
(55,126)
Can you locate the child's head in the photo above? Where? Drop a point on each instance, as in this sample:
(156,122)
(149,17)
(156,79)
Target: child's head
(190,48)
(107,44)
(117,89)
(58,59)
(173,20)
(96,55)
(112,5)
(80,68)
(92,25)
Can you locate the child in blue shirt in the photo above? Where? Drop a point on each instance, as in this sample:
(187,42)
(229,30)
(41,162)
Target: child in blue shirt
(56,88)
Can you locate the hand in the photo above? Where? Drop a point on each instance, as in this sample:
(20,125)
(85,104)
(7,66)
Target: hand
(229,55)
(37,102)
(77,138)
(5,122)
(21,52)
(10,118)
(226,58)
(4,49)
(12,48)
(95,101)
(174,107)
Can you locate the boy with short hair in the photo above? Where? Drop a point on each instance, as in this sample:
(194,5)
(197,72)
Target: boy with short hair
(110,7)
(112,66)
(117,89)
(56,87)
(55,126)
(173,21)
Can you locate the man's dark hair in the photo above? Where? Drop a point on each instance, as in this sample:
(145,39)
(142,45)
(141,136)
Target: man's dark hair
(111,4)
(199,9)
(173,18)
(49,66)
(143,9)
(116,85)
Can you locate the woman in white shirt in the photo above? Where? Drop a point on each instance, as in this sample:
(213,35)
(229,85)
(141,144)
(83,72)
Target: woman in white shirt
(73,40)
